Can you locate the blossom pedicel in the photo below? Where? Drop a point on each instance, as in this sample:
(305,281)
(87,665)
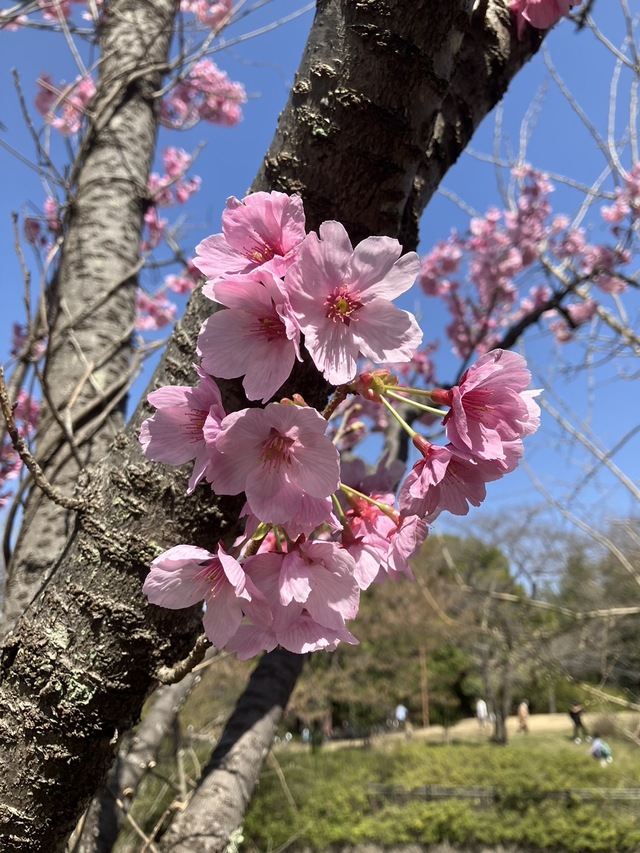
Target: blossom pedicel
(318,530)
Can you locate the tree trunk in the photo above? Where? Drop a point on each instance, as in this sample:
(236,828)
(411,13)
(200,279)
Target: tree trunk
(219,804)
(106,815)
(91,301)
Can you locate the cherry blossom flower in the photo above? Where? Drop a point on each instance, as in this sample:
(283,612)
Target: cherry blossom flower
(447,479)
(176,432)
(292,627)
(489,407)
(185,281)
(540,14)
(153,312)
(264,231)
(341,299)
(254,338)
(320,575)
(52,215)
(275,455)
(443,480)
(73,101)
(206,94)
(404,543)
(211,13)
(185,575)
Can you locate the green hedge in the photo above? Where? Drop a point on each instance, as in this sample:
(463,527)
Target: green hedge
(334,805)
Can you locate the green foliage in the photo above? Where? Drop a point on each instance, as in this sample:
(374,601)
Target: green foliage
(339,801)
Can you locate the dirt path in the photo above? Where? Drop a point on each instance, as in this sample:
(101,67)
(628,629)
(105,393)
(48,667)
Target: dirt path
(538,724)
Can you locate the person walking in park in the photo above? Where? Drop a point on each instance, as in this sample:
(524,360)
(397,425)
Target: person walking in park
(523,717)
(579,729)
(482,714)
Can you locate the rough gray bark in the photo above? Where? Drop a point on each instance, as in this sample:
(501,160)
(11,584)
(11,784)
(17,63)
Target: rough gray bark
(231,774)
(76,670)
(106,815)
(91,302)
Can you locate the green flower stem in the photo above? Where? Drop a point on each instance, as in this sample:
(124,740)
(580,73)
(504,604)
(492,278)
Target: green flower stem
(438,412)
(385,508)
(405,426)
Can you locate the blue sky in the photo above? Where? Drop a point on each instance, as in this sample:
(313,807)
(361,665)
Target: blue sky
(558,143)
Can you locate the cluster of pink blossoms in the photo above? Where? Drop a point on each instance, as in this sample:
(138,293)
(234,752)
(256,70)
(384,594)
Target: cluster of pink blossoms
(205,93)
(72,101)
(156,310)
(210,13)
(501,246)
(318,531)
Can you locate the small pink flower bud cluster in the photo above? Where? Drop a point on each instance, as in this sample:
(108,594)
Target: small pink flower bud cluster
(72,101)
(25,413)
(39,230)
(627,203)
(205,93)
(23,348)
(504,245)
(156,310)
(208,13)
(318,530)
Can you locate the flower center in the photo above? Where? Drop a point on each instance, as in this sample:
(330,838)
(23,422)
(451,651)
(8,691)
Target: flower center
(271,328)
(194,425)
(213,572)
(341,304)
(260,253)
(276,450)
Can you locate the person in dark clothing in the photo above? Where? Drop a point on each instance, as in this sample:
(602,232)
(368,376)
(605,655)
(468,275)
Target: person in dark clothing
(575,712)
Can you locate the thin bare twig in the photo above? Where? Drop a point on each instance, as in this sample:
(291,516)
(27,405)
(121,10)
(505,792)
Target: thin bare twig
(25,454)
(171,675)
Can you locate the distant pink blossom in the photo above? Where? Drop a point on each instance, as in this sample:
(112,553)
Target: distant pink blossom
(582,312)
(33,231)
(26,411)
(19,340)
(186,188)
(52,215)
(153,312)
(72,101)
(10,23)
(56,10)
(211,13)
(156,228)
(489,407)
(263,230)
(254,337)
(175,434)
(627,201)
(204,93)
(275,455)
(185,281)
(185,575)
(342,296)
(176,161)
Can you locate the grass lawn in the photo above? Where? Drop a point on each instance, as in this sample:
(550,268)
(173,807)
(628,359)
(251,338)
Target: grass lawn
(546,793)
